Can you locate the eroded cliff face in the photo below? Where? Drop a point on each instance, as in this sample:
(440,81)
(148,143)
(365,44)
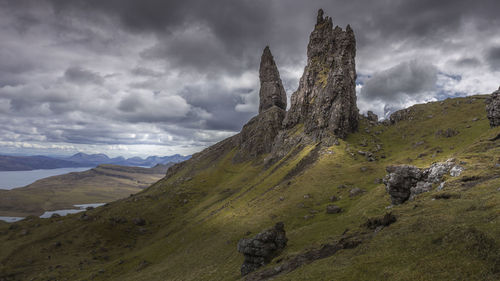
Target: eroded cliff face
(258,135)
(325,101)
(322,110)
(271,91)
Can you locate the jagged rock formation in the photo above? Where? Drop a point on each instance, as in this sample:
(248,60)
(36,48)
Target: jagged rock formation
(325,101)
(258,135)
(271,91)
(403,114)
(261,249)
(323,108)
(372,116)
(400,180)
(404,182)
(493,108)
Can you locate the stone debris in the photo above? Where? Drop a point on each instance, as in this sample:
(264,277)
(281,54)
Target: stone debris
(261,249)
(333,209)
(404,182)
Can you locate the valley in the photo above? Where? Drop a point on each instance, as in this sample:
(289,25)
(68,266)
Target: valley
(102,184)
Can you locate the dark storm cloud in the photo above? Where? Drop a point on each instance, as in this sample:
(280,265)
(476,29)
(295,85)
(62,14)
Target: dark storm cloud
(192,34)
(80,75)
(185,73)
(405,79)
(467,62)
(143,71)
(493,57)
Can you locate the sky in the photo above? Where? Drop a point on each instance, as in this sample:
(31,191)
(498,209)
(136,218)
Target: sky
(156,77)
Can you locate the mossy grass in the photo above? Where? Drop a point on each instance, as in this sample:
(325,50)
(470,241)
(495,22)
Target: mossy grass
(196,217)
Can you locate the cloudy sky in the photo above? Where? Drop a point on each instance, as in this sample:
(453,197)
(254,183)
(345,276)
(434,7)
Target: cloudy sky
(158,77)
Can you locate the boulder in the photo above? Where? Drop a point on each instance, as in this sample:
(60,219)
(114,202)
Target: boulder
(261,249)
(437,170)
(333,209)
(448,133)
(372,116)
(377,222)
(139,221)
(493,108)
(400,180)
(404,182)
(355,191)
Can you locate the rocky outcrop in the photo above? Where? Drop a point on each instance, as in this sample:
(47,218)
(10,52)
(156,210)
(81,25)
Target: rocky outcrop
(404,182)
(403,114)
(325,102)
(258,135)
(372,117)
(292,263)
(261,249)
(400,180)
(271,91)
(493,108)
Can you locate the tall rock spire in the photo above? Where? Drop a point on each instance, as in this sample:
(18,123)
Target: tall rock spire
(325,101)
(271,92)
(258,135)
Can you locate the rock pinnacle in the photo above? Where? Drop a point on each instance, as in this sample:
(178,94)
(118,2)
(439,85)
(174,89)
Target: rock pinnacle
(271,92)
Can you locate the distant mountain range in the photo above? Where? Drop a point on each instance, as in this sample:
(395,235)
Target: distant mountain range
(26,163)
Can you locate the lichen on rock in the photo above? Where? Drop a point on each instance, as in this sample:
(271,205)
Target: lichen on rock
(404,182)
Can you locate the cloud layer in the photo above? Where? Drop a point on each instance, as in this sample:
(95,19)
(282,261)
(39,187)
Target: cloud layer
(160,77)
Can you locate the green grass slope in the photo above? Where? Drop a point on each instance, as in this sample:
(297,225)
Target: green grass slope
(195,217)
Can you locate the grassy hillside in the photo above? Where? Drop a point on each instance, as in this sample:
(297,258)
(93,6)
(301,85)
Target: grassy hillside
(195,217)
(104,183)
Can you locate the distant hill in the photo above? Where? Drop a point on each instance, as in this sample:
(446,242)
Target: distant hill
(26,163)
(102,184)
(98,159)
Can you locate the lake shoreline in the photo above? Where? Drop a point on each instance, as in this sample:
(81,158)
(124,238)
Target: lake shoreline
(10,180)
(63,212)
